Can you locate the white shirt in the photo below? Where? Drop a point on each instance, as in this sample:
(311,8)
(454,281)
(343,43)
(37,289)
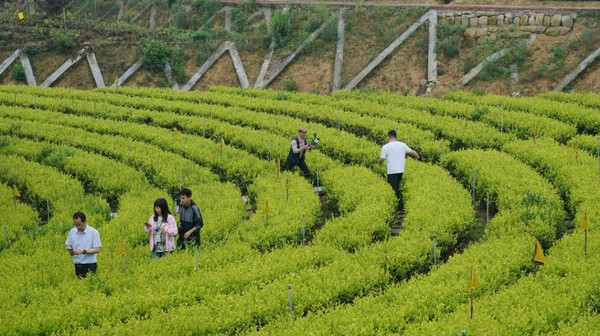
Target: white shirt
(395,154)
(88,239)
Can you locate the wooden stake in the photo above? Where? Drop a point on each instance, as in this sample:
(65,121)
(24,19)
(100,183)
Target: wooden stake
(434,243)
(289,286)
(303,230)
(585,242)
(487,207)
(5,243)
(473,184)
(471,303)
(535,264)
(14,184)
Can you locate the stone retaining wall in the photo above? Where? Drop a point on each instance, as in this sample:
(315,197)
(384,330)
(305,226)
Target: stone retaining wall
(482,25)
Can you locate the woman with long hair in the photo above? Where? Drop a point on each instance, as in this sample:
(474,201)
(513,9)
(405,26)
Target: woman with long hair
(162,229)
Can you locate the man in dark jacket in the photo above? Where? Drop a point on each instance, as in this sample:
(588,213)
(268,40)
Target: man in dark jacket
(297,154)
(190,220)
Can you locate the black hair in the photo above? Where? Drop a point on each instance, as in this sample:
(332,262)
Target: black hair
(79,215)
(164,209)
(392,133)
(185,192)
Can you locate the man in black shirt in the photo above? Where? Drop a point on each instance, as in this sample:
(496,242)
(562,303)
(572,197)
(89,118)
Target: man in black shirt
(297,154)
(190,220)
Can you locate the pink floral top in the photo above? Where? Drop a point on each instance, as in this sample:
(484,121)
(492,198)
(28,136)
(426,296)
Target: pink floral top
(170,230)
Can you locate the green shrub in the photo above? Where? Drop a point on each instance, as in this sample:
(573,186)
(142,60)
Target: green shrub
(64,42)
(281,26)
(31,49)
(156,53)
(238,20)
(201,35)
(449,39)
(501,67)
(290,84)
(18,73)
(178,59)
(479,112)
(330,34)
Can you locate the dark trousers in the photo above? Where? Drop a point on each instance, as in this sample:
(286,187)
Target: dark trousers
(301,164)
(394,180)
(82,270)
(158,254)
(193,240)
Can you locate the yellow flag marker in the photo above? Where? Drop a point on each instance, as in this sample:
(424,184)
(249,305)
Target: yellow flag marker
(117,81)
(278,163)
(539,253)
(584,222)
(16,192)
(389,92)
(222,143)
(121,249)
(21,16)
(266,210)
(474,282)
(176,131)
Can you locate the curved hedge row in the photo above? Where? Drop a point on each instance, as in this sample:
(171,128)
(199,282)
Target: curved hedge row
(518,123)
(516,190)
(586,120)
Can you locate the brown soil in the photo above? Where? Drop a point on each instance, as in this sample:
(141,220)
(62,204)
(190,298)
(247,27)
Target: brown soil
(222,73)
(6,77)
(533,79)
(364,42)
(252,62)
(79,76)
(589,80)
(114,61)
(403,70)
(312,73)
(44,64)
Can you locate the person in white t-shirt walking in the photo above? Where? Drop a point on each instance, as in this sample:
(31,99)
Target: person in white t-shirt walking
(394,152)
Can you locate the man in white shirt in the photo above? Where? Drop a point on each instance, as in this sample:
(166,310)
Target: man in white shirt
(83,243)
(394,152)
